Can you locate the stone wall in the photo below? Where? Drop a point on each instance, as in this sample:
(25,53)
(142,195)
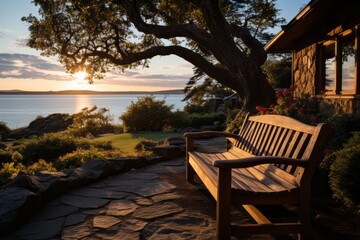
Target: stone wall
(304,69)
(333,105)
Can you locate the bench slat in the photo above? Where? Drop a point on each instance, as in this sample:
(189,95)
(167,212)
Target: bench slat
(282,177)
(263,140)
(278,174)
(248,179)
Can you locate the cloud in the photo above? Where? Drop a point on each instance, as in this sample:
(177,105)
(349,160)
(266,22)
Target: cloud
(148,80)
(21,42)
(30,67)
(25,66)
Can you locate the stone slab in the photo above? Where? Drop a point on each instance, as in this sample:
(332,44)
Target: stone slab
(75,232)
(74,219)
(154,187)
(83,202)
(98,193)
(103,221)
(157,210)
(182,226)
(165,197)
(121,207)
(52,212)
(45,229)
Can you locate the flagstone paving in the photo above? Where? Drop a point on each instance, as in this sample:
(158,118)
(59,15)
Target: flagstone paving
(154,203)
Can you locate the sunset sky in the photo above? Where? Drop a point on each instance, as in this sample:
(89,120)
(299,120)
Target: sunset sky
(23,68)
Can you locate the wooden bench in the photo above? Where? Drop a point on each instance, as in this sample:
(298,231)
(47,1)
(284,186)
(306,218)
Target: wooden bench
(271,161)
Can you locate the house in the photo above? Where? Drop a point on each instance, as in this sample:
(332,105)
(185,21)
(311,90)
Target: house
(324,40)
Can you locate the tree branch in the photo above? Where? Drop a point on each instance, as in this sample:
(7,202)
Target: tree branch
(190,31)
(257,52)
(212,71)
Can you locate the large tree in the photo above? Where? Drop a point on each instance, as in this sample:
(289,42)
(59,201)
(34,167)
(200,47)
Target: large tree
(219,37)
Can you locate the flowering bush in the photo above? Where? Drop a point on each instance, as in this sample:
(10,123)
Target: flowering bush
(303,107)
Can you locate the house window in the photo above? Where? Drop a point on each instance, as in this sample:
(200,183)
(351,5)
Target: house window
(330,65)
(348,64)
(339,63)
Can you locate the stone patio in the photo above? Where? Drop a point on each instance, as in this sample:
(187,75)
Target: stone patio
(154,202)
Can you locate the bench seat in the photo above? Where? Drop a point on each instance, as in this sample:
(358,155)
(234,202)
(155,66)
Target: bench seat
(264,179)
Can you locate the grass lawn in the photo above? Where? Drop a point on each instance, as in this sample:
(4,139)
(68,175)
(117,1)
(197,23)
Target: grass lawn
(127,141)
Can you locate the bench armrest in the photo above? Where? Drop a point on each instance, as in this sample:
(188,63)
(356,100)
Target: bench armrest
(210,134)
(257,160)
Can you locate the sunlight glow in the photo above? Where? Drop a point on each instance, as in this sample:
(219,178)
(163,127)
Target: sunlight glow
(80,83)
(80,76)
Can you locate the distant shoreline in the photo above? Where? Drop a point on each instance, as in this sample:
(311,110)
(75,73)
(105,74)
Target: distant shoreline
(87,92)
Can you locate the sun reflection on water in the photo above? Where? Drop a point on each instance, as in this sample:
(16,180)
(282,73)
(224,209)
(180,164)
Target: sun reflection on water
(82,101)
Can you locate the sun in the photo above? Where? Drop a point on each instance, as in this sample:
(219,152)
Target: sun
(79,83)
(80,76)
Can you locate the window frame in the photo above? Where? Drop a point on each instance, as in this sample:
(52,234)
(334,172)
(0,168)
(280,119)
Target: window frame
(338,63)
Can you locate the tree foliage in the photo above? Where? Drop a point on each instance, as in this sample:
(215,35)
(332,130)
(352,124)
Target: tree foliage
(278,72)
(219,37)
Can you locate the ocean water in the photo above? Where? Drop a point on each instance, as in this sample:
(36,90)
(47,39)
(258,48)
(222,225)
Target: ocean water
(18,110)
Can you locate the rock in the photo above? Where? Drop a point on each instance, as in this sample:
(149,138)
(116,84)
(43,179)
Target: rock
(178,141)
(17,206)
(53,123)
(169,152)
(25,181)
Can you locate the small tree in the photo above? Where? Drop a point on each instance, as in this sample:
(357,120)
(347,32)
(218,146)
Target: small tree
(147,114)
(92,121)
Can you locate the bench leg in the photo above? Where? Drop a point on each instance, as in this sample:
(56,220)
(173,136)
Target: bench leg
(223,205)
(189,172)
(305,219)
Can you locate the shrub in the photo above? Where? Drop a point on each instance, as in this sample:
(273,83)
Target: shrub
(48,147)
(303,107)
(235,120)
(178,120)
(145,145)
(343,126)
(147,114)
(198,120)
(17,157)
(78,157)
(197,108)
(344,174)
(40,165)
(4,130)
(9,171)
(5,156)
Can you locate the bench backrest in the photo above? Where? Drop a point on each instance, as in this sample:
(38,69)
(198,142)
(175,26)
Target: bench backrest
(275,135)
